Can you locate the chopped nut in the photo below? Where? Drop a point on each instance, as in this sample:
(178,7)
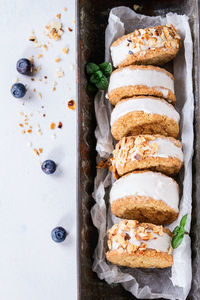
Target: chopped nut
(40,95)
(57,59)
(34,90)
(60,125)
(65,8)
(54,89)
(29,130)
(45,77)
(33,79)
(58,16)
(54,30)
(21,125)
(71,104)
(44,115)
(40,55)
(59,73)
(52,125)
(31,59)
(40,150)
(45,47)
(33,39)
(65,50)
(23,131)
(36,152)
(70,29)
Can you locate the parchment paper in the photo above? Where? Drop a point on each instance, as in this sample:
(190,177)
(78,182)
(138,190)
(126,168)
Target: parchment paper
(170,283)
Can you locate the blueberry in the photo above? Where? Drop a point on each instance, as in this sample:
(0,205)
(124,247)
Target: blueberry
(18,90)
(58,234)
(48,166)
(24,66)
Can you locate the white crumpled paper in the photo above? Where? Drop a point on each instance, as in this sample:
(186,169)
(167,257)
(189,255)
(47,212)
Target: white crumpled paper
(175,282)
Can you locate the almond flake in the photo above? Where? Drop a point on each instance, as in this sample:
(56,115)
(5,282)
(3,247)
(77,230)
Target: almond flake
(57,59)
(65,50)
(52,125)
(45,47)
(59,73)
(36,152)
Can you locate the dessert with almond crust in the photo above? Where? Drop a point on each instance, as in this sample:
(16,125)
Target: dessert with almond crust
(152,152)
(148,46)
(139,245)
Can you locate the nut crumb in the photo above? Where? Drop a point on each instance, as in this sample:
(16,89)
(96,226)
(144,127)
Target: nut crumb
(57,59)
(54,30)
(36,152)
(59,73)
(29,131)
(40,150)
(65,50)
(58,16)
(34,90)
(32,79)
(60,125)
(65,8)
(33,39)
(71,104)
(23,131)
(40,55)
(21,125)
(52,125)
(70,29)
(45,47)
(40,95)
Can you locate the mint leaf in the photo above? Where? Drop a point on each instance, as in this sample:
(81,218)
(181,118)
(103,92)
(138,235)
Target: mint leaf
(183,221)
(177,240)
(95,78)
(176,230)
(106,68)
(179,232)
(102,83)
(91,68)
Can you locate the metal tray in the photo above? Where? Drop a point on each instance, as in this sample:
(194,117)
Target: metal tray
(92,16)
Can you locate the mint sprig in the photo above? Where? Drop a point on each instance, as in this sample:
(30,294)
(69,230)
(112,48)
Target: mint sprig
(98,75)
(179,232)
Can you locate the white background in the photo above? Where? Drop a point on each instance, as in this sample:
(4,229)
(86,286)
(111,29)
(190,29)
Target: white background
(32,266)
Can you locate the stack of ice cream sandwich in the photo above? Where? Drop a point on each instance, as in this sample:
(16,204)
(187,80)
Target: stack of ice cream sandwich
(148,154)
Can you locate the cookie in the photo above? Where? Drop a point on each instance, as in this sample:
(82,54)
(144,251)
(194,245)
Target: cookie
(141,80)
(139,245)
(148,46)
(144,115)
(145,196)
(152,152)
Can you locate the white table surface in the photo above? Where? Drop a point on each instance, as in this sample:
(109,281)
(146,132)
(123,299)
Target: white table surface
(32,266)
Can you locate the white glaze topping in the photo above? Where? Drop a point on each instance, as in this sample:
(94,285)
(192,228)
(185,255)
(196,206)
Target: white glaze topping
(147,184)
(147,105)
(135,76)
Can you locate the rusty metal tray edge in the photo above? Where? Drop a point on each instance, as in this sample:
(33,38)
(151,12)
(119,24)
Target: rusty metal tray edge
(90,26)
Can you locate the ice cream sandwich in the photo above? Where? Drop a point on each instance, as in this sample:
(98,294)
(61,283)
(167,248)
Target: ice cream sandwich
(145,196)
(141,80)
(139,245)
(144,115)
(147,152)
(148,46)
